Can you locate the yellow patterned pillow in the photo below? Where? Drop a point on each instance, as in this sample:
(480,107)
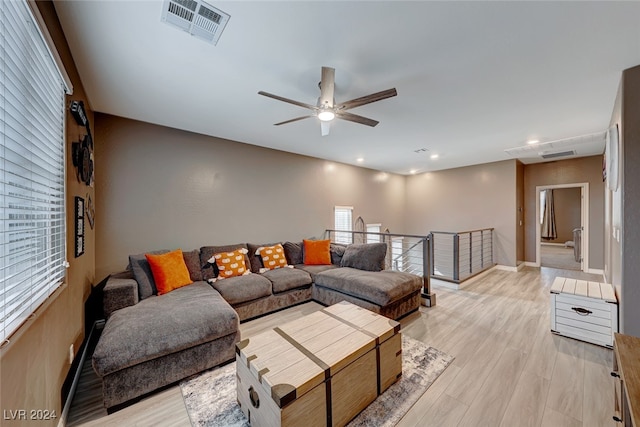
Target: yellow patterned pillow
(272,257)
(230,264)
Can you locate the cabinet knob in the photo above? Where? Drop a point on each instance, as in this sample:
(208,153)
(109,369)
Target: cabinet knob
(615,374)
(617,419)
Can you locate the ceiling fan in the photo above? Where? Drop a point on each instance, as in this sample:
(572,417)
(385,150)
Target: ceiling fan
(326,108)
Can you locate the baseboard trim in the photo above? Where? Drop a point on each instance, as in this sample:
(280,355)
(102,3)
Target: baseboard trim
(444,284)
(461,285)
(531,264)
(596,271)
(62,421)
(506,268)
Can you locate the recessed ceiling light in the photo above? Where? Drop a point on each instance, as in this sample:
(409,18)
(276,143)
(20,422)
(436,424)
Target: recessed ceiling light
(359,160)
(434,156)
(533,141)
(413,171)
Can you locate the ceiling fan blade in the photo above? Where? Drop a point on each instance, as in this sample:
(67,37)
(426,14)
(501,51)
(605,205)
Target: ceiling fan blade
(355,118)
(327,86)
(293,120)
(378,96)
(290,101)
(324,128)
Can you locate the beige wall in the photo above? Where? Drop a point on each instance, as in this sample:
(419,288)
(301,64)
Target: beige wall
(572,171)
(567,208)
(35,363)
(472,197)
(164,188)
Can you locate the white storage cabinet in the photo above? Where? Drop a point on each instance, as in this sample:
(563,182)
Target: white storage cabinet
(587,311)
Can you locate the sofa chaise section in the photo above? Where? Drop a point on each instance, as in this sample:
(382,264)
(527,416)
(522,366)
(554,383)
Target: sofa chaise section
(390,293)
(163,339)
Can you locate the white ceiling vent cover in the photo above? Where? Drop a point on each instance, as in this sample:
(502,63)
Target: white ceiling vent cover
(196,17)
(558,154)
(562,147)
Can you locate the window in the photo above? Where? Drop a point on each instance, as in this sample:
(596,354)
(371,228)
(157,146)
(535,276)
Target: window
(343,220)
(373,228)
(32,199)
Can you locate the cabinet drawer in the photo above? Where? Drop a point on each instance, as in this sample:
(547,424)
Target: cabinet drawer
(582,324)
(589,303)
(589,318)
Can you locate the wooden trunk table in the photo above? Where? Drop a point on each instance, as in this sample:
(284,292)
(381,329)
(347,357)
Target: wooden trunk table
(320,370)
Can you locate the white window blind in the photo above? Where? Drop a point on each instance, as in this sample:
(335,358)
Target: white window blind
(343,220)
(32,208)
(373,228)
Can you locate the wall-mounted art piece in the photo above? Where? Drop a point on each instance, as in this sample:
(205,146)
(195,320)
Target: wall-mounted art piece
(79,226)
(82,151)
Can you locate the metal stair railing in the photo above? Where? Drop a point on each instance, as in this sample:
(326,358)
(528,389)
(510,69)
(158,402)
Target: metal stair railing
(458,256)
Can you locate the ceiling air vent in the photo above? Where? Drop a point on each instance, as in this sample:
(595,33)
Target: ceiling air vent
(196,18)
(558,154)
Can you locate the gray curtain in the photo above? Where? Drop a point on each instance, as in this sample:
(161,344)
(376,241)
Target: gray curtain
(549,231)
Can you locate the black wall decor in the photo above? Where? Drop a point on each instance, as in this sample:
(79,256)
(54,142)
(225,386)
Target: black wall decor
(82,151)
(78,113)
(79,226)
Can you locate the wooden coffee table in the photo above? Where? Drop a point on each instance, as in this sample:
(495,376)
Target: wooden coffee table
(320,370)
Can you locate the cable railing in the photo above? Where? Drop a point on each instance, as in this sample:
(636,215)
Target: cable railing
(458,256)
(405,252)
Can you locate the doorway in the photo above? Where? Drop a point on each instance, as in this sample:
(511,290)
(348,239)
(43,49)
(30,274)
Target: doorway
(562,232)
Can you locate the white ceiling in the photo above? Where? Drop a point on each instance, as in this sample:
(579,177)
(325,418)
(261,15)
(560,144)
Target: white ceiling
(473,78)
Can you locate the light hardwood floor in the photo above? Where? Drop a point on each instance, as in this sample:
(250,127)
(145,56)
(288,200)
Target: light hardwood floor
(509,369)
(553,256)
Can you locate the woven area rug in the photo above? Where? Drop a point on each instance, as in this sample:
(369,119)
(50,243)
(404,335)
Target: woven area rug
(210,397)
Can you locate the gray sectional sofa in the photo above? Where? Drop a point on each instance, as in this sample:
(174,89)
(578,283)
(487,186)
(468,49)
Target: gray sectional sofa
(150,341)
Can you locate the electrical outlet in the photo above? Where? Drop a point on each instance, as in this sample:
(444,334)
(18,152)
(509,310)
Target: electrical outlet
(71,354)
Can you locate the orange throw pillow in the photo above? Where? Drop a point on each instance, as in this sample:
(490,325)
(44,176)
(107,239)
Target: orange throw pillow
(231,264)
(272,257)
(169,271)
(317,252)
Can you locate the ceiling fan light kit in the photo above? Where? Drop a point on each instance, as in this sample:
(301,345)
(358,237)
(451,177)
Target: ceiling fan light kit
(326,115)
(326,109)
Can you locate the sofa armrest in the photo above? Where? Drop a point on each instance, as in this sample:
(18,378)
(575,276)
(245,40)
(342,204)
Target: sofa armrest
(120,291)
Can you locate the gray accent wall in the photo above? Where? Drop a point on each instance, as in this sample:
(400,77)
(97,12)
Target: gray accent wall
(630,181)
(519,213)
(158,187)
(468,198)
(622,227)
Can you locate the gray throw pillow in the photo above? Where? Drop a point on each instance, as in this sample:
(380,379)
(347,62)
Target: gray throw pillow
(365,256)
(337,252)
(192,260)
(141,269)
(293,252)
